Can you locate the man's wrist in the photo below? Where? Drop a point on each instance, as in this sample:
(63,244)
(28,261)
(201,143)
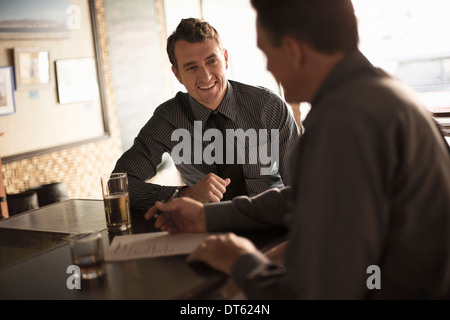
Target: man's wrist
(182,191)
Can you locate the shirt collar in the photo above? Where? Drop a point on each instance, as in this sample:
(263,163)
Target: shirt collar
(226,107)
(345,69)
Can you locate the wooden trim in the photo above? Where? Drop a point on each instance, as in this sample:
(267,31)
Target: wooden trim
(3,203)
(41,152)
(441,114)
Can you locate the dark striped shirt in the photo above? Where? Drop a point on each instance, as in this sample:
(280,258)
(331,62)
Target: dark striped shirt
(245,107)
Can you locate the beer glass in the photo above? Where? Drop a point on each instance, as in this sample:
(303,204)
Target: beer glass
(116,201)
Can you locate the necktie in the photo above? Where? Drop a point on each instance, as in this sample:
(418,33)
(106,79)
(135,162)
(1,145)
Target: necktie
(234,171)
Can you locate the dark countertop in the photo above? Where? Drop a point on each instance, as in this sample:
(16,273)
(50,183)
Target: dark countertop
(42,272)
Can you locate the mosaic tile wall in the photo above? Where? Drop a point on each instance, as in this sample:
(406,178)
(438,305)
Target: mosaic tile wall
(80,167)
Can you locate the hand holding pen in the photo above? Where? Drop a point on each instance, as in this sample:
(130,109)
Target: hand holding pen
(153,213)
(180,215)
(169,198)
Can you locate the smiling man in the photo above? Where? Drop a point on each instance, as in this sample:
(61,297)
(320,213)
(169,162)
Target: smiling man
(199,62)
(203,77)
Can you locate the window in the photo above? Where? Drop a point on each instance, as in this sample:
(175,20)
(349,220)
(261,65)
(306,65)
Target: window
(408,38)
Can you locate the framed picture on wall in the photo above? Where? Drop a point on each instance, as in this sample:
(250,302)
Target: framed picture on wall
(7,101)
(31,19)
(32,67)
(77,80)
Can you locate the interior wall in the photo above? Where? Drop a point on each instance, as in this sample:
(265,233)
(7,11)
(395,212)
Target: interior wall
(80,167)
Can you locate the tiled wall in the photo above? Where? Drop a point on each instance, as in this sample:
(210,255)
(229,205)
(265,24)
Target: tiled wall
(80,167)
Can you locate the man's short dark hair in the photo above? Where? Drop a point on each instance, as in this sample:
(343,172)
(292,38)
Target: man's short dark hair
(191,30)
(329,26)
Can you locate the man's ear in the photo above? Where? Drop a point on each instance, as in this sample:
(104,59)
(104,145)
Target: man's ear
(225,56)
(294,51)
(177,75)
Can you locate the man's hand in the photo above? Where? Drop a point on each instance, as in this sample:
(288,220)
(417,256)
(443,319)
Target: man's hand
(277,253)
(179,215)
(210,189)
(222,251)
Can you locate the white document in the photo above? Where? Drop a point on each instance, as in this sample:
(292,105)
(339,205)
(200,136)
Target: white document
(154,244)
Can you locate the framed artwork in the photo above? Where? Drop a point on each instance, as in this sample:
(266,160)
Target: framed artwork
(7,101)
(31,19)
(32,67)
(77,80)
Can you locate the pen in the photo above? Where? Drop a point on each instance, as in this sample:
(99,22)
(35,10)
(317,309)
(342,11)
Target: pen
(169,198)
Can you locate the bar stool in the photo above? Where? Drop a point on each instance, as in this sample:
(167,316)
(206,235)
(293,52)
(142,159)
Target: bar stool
(21,202)
(50,193)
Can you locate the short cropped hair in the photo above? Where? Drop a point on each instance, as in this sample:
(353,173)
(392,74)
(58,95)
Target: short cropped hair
(192,30)
(328,26)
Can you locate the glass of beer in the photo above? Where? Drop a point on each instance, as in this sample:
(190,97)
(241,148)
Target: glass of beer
(87,254)
(116,201)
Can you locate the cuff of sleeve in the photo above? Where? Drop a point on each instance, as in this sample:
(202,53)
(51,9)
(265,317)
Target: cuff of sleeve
(165,192)
(179,190)
(217,216)
(246,265)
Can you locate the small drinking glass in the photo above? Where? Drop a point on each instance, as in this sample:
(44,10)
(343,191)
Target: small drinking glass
(87,254)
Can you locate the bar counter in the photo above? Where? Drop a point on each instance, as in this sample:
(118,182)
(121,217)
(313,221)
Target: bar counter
(35,255)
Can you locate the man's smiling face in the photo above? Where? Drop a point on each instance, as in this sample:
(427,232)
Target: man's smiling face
(201,68)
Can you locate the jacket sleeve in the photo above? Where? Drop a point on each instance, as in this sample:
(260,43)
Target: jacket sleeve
(270,208)
(261,279)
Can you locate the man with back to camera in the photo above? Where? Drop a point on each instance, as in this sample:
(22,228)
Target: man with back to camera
(371,197)
(199,62)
